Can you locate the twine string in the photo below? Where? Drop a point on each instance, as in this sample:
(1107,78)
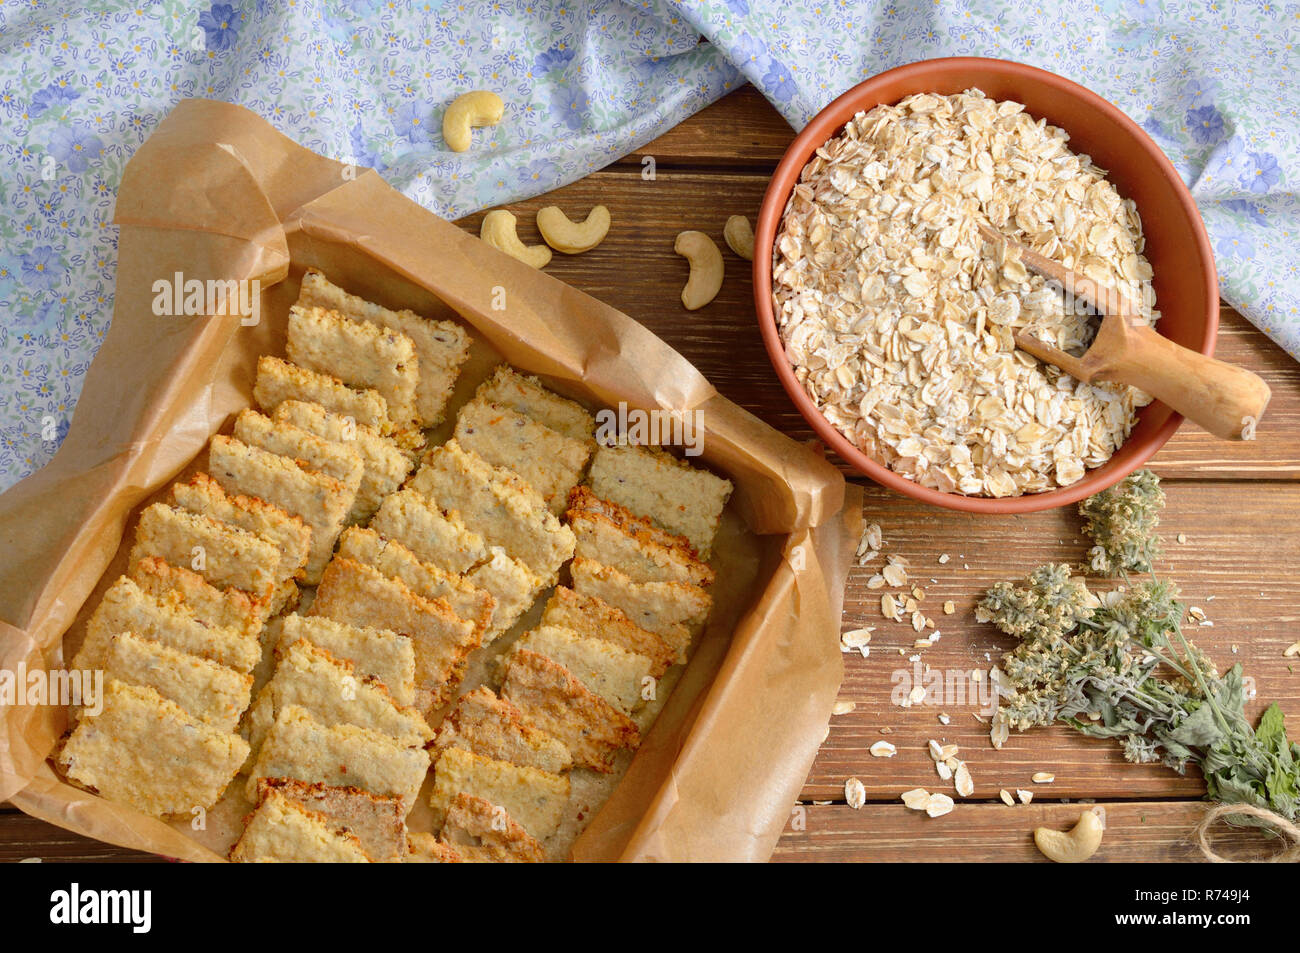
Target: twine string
(1270,821)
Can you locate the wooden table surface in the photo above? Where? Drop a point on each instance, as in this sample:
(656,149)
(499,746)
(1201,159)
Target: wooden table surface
(1235,504)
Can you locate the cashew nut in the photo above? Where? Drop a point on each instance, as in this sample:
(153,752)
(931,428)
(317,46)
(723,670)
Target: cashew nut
(498,230)
(573,237)
(739,236)
(467,111)
(1075,845)
(706,268)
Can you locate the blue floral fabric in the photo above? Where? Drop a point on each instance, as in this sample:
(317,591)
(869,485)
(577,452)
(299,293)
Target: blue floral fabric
(366,81)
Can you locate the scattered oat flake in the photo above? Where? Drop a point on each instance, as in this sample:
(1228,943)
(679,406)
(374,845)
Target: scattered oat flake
(1025,796)
(916,799)
(917,695)
(888,607)
(872,536)
(1007,799)
(949,607)
(843,707)
(944,559)
(855,792)
(883,749)
(941,768)
(945,720)
(962,780)
(856,637)
(1182,537)
(939,805)
(1292,651)
(894,574)
(876,582)
(1043,777)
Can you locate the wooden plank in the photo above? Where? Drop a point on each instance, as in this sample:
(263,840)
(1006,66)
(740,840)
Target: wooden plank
(741,130)
(722,338)
(23,837)
(1275,453)
(1135,832)
(1236,566)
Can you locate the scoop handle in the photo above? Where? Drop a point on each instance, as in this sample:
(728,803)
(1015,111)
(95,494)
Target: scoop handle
(1226,400)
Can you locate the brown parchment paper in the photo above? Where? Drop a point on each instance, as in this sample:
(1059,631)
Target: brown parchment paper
(217,193)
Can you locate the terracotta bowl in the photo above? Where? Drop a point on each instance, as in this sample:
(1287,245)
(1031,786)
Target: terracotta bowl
(1176,244)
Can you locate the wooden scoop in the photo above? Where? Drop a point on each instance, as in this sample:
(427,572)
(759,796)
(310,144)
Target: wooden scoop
(1227,401)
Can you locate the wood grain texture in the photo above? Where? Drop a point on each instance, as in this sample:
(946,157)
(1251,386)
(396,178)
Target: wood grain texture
(1235,503)
(1235,568)
(1136,832)
(741,130)
(24,838)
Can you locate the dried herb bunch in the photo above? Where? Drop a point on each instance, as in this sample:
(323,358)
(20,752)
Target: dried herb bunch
(1122,521)
(1117,665)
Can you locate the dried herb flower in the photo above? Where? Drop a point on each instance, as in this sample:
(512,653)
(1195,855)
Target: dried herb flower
(1122,521)
(1118,665)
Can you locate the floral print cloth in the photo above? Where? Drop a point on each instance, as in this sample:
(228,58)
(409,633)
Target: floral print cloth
(366,81)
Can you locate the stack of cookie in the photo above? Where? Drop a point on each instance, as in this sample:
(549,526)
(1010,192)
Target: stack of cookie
(180,637)
(572,688)
(417,566)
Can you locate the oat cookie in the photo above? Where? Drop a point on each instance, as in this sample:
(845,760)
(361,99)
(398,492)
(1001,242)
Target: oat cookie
(282,830)
(279,380)
(488,725)
(441,346)
(213,693)
(595,618)
(146,752)
(322,501)
(672,494)
(300,747)
(548,460)
(526,395)
(552,699)
(360,595)
(385,464)
(378,653)
(362,355)
(223,554)
(533,798)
